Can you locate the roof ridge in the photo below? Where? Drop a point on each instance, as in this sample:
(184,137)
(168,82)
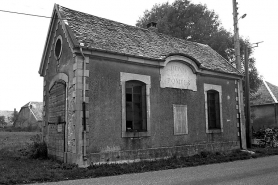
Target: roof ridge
(270,92)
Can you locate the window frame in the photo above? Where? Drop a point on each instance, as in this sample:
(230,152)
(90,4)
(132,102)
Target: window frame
(125,77)
(136,97)
(218,88)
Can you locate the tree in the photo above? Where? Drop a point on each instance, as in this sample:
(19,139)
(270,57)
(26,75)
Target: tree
(194,22)
(13,117)
(2,121)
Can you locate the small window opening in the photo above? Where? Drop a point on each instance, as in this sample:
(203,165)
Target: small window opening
(58,48)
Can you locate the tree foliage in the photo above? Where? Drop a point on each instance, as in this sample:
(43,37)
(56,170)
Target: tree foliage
(2,121)
(13,117)
(194,22)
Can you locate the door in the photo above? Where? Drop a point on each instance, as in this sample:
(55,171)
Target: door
(56,121)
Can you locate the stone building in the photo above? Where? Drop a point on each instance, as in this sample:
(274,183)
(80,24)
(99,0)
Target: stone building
(30,115)
(264,107)
(118,93)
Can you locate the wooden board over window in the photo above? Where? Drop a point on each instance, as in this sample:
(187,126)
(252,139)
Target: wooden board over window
(180,119)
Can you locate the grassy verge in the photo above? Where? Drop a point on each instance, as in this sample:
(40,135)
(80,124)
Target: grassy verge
(19,166)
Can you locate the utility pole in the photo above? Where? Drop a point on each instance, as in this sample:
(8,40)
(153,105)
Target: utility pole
(247,102)
(236,36)
(241,118)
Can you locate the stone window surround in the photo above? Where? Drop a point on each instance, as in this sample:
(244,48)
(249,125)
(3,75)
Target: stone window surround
(147,80)
(217,88)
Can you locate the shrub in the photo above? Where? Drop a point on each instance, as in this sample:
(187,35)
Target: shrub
(36,150)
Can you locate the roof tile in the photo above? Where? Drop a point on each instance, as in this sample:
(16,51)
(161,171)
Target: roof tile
(105,35)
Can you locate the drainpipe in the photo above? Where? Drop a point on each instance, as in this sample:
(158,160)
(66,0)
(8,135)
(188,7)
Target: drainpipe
(239,119)
(84,107)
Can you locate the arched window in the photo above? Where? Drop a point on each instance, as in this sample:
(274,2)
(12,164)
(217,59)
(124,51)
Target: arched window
(135,105)
(213,109)
(135,92)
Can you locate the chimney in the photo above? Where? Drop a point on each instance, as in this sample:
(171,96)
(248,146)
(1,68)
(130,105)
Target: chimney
(152,26)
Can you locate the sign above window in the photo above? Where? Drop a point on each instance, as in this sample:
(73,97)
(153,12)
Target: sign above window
(178,75)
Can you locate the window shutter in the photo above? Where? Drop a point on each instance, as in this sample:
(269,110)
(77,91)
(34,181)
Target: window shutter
(180,119)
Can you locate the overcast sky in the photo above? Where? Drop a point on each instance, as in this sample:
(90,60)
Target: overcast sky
(23,37)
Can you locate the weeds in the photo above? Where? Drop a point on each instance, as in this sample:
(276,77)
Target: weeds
(26,168)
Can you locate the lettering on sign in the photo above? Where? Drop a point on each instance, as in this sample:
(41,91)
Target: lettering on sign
(178,75)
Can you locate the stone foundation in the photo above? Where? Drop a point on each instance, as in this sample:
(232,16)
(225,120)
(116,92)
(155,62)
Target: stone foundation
(159,153)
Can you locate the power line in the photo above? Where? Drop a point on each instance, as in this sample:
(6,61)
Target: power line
(24,14)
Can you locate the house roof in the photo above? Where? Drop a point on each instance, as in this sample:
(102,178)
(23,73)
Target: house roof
(101,34)
(266,94)
(36,108)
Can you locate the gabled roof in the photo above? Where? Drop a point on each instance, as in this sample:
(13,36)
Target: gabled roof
(266,94)
(99,34)
(36,108)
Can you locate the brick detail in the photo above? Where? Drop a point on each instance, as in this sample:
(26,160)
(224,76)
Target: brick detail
(79,82)
(238,109)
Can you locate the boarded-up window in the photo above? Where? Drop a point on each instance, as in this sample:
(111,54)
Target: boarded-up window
(180,119)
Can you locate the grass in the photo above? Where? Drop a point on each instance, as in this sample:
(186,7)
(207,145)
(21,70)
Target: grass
(18,166)
(15,139)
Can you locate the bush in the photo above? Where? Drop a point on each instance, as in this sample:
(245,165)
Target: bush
(36,150)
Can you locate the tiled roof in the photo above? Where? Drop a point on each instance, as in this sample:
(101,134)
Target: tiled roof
(274,89)
(37,108)
(105,35)
(263,95)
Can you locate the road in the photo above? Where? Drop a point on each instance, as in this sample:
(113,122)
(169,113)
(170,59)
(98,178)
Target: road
(253,171)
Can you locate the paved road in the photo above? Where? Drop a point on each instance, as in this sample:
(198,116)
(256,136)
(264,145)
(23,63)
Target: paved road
(254,171)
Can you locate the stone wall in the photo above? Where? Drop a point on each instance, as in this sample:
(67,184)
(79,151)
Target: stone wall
(159,153)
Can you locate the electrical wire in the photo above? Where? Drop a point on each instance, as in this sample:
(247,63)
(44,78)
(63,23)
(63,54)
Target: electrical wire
(24,14)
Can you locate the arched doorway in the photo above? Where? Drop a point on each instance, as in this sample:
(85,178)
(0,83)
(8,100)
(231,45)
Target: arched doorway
(57,120)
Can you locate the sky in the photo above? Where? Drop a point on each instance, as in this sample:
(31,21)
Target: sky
(23,37)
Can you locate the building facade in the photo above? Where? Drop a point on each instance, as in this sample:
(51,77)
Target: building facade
(118,93)
(264,107)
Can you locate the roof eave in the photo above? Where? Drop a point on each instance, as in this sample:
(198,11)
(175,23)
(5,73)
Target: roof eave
(69,35)
(55,10)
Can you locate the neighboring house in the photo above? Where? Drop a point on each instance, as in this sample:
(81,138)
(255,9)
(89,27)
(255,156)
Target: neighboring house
(118,93)
(30,115)
(7,115)
(264,107)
